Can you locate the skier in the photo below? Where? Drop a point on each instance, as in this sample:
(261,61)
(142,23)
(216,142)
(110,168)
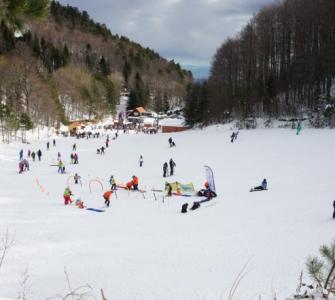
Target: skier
(172,166)
(54,142)
(33,156)
(39,154)
(165,169)
(262,187)
(112,182)
(67,196)
(140,160)
(48,145)
(74,147)
(107,195)
(334,210)
(102,150)
(299,128)
(21,154)
(76,178)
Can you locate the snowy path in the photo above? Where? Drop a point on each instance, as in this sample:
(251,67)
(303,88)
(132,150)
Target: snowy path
(145,249)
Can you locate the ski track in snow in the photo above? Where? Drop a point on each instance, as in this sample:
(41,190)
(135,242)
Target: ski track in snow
(140,248)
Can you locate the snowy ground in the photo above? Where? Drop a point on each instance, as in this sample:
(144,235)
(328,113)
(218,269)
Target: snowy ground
(145,249)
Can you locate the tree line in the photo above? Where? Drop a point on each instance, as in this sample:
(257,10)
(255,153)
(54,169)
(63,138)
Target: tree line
(281,64)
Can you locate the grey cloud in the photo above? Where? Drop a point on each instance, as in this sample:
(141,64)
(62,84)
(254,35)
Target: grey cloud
(188,31)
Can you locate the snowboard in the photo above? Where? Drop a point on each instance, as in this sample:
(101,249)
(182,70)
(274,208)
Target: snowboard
(95,209)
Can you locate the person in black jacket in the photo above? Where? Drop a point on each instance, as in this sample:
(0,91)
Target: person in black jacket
(172,166)
(165,169)
(334,210)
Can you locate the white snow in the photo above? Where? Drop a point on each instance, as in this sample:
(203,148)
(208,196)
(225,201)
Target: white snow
(146,249)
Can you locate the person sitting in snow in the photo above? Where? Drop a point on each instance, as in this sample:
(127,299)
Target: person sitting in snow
(67,196)
(262,187)
(80,204)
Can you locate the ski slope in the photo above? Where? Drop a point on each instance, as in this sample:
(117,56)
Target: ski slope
(142,248)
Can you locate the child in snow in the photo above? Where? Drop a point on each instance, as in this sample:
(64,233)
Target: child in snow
(80,204)
(76,178)
(140,160)
(261,187)
(112,182)
(107,196)
(67,196)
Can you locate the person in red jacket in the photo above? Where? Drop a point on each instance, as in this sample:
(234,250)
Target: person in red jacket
(135,182)
(107,196)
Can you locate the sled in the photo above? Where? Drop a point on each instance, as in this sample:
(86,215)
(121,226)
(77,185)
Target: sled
(95,209)
(123,186)
(253,190)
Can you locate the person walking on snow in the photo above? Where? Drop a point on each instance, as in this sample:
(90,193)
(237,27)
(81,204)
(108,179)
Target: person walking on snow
(140,160)
(107,142)
(39,154)
(48,145)
(67,196)
(54,142)
(74,147)
(58,156)
(165,169)
(299,128)
(29,153)
(21,154)
(172,166)
(75,157)
(107,196)
(33,155)
(334,210)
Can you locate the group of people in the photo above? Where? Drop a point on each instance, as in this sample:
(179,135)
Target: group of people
(24,163)
(166,165)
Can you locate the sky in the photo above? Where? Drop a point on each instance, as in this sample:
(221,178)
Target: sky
(187,31)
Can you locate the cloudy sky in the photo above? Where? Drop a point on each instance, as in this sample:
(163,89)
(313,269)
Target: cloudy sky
(188,31)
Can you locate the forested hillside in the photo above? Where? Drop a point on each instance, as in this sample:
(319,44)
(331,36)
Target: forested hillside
(57,64)
(281,64)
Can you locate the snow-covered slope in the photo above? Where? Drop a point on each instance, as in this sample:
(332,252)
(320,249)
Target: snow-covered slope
(142,248)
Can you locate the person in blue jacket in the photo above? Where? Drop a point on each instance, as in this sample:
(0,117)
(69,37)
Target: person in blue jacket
(262,187)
